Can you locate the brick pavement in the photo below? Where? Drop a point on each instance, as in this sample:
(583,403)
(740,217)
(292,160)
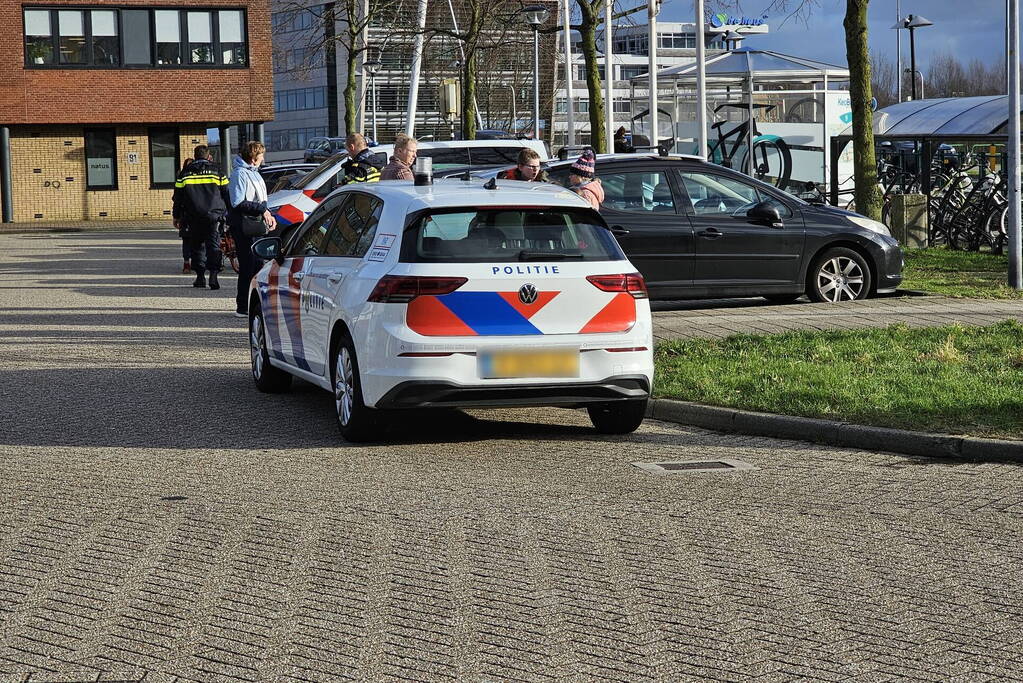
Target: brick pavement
(162,521)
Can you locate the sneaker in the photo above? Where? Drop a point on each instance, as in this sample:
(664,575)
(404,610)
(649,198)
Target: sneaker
(214,282)
(186,269)
(200,281)
(241,314)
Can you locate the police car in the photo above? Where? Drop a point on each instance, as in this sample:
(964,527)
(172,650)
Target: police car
(393,295)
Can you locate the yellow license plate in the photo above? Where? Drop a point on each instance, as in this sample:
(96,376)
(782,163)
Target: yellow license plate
(504,364)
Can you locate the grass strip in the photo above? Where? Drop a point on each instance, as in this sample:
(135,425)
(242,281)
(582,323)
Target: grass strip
(953,379)
(938,270)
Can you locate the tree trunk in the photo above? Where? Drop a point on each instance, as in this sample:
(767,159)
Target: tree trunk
(868,192)
(351,90)
(588,34)
(469,93)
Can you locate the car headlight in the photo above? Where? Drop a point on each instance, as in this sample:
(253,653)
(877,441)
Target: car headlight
(870,224)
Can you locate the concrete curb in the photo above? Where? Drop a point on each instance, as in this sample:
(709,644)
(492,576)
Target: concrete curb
(835,433)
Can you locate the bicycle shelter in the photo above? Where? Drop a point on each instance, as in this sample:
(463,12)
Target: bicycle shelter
(801,101)
(980,120)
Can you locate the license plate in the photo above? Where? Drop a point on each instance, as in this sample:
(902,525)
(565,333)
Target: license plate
(504,364)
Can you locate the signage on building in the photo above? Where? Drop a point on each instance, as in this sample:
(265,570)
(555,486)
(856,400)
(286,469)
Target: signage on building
(723,22)
(133,157)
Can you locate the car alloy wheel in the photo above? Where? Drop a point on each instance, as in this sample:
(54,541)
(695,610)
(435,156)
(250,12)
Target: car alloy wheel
(344,386)
(257,346)
(840,278)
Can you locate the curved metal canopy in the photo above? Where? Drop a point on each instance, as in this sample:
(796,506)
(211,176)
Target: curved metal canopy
(983,115)
(762,65)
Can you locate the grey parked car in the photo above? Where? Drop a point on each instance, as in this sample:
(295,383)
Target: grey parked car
(696,230)
(319,149)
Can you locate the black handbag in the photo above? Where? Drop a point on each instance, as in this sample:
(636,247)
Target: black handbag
(253,226)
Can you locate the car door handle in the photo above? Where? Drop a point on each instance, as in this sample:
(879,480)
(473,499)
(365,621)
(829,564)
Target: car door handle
(335,278)
(618,230)
(711,233)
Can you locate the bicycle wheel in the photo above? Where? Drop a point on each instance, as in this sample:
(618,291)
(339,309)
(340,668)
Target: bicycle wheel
(772,160)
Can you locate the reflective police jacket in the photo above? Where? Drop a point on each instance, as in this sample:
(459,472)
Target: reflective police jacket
(200,193)
(362,168)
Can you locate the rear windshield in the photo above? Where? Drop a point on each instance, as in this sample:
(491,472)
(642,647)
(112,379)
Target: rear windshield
(509,235)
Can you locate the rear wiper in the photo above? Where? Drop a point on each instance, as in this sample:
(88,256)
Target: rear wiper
(526,255)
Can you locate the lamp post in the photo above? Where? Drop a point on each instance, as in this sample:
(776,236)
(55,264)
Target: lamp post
(912,22)
(536,16)
(913,75)
(372,66)
(732,40)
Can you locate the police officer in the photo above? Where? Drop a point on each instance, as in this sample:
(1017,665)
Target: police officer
(201,201)
(361,167)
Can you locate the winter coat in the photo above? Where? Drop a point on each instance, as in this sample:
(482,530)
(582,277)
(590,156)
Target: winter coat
(200,194)
(362,168)
(592,191)
(247,191)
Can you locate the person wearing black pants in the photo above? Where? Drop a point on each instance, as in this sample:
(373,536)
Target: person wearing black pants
(248,198)
(200,202)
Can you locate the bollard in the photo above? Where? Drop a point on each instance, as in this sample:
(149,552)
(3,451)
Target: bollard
(908,220)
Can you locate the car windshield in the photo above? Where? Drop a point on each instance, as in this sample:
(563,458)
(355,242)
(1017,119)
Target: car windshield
(313,174)
(509,235)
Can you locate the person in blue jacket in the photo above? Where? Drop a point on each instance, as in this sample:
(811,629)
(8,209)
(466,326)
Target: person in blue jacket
(248,198)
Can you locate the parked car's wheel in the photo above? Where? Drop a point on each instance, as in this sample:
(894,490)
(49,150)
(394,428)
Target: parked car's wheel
(268,379)
(622,417)
(356,422)
(838,274)
(782,298)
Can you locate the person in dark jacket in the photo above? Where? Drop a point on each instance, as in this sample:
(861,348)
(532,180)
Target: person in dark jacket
(200,202)
(361,167)
(247,198)
(621,141)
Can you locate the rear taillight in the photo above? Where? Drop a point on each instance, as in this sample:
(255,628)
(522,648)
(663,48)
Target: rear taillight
(401,289)
(633,283)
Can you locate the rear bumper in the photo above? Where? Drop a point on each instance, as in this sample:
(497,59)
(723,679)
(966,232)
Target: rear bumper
(433,394)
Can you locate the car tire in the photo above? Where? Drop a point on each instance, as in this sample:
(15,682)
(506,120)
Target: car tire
(356,422)
(268,379)
(782,298)
(838,274)
(621,417)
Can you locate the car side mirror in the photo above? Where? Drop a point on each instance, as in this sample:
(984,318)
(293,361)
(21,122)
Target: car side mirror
(767,212)
(268,248)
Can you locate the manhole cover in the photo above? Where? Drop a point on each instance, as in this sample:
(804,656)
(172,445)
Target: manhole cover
(710,465)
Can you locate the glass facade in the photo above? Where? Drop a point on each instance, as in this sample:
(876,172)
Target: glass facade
(100,159)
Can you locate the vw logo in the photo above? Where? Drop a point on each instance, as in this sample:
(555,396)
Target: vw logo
(527,294)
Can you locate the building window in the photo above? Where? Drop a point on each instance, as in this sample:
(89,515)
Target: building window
(293,138)
(295,20)
(38,37)
(100,159)
(622,106)
(71,29)
(106,48)
(300,99)
(200,38)
(232,38)
(152,37)
(163,157)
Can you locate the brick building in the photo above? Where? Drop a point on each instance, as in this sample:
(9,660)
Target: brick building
(98,103)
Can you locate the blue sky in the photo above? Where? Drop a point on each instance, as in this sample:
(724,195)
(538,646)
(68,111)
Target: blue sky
(966,28)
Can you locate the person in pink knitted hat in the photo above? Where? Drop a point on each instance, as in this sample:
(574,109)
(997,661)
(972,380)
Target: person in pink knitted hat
(582,179)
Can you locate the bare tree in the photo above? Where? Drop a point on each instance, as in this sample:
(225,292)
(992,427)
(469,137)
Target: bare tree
(868,194)
(883,79)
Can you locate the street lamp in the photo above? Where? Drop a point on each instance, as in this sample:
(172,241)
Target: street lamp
(912,22)
(372,66)
(913,75)
(535,16)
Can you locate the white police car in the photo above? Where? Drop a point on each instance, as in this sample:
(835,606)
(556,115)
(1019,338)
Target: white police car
(392,295)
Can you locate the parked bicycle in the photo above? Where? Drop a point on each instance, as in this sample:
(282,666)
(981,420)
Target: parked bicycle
(772,158)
